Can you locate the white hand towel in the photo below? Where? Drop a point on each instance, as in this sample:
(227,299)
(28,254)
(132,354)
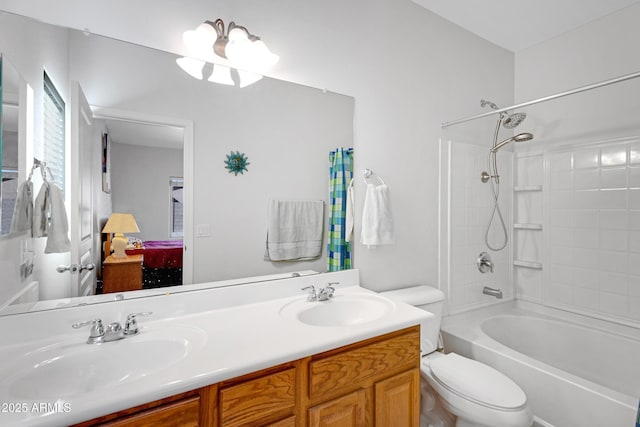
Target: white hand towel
(377,222)
(295,230)
(41,212)
(23,209)
(348,216)
(58,231)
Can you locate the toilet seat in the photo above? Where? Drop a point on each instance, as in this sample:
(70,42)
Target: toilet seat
(477,382)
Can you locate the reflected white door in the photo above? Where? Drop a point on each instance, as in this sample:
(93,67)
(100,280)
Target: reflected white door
(81,227)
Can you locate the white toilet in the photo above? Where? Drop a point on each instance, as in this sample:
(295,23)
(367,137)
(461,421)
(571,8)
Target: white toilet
(475,393)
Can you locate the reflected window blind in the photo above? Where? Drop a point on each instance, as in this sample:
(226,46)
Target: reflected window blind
(54,141)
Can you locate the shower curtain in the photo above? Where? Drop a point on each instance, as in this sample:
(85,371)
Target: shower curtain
(340,175)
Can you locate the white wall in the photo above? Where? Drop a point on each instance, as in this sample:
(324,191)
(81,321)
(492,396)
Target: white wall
(591,191)
(408,69)
(140,185)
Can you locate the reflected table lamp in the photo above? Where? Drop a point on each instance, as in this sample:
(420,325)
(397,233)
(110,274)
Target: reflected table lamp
(120,223)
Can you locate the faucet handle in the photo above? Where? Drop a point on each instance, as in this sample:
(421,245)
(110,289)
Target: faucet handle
(313,296)
(131,325)
(97,329)
(330,289)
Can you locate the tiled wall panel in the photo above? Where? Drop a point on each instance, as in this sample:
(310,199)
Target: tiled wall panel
(592,230)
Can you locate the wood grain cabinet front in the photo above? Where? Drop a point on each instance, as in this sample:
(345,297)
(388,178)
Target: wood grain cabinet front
(258,401)
(122,274)
(375,382)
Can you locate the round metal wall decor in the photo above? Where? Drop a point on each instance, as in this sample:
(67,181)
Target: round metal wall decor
(236,162)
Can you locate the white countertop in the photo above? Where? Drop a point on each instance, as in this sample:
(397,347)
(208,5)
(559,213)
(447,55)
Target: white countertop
(229,342)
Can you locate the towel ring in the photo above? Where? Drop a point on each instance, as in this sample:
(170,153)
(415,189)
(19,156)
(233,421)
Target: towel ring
(368,173)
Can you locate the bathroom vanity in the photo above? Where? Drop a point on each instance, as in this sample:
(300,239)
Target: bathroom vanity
(256,354)
(375,379)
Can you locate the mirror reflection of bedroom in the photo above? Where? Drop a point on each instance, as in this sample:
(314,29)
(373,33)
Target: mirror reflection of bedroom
(143,178)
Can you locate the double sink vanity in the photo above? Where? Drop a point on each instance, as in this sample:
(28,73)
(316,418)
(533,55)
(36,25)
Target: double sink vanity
(256,354)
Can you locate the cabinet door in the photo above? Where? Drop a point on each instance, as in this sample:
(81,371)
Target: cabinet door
(345,411)
(184,413)
(258,401)
(398,400)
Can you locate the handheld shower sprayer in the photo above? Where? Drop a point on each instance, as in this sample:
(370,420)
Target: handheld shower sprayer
(525,136)
(508,121)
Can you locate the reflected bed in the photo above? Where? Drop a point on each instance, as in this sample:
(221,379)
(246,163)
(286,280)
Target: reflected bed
(162,263)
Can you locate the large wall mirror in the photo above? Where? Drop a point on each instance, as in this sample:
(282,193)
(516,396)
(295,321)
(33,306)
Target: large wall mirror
(9,110)
(146,108)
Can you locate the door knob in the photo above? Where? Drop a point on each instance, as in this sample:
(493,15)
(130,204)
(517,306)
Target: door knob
(73,268)
(89,267)
(63,268)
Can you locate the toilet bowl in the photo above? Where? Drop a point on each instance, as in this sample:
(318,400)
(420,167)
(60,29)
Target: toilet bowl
(476,394)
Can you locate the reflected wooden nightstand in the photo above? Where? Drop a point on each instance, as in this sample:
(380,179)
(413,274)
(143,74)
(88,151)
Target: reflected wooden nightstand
(122,274)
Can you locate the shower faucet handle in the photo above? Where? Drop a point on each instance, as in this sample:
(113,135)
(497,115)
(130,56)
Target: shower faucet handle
(484,263)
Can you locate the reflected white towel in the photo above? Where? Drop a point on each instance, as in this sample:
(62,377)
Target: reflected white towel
(58,231)
(348,216)
(295,230)
(50,219)
(40,212)
(377,222)
(23,209)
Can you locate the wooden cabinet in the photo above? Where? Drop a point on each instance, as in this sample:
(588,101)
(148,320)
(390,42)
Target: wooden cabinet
(398,400)
(122,274)
(349,410)
(257,401)
(375,382)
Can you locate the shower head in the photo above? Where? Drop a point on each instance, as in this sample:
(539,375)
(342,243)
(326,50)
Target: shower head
(509,121)
(513,120)
(517,138)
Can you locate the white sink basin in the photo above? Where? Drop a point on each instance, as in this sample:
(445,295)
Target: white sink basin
(68,369)
(341,310)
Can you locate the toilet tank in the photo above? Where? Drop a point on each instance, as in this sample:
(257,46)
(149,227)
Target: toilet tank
(425,298)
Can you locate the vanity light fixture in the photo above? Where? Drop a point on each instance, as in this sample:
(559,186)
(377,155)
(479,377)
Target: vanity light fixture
(243,50)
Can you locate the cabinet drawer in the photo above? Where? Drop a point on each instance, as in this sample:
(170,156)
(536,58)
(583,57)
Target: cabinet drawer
(363,363)
(265,398)
(183,413)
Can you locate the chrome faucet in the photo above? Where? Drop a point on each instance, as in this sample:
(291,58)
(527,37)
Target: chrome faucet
(312,296)
(323,294)
(326,293)
(493,292)
(113,332)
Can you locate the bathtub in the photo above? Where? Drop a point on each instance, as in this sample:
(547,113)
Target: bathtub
(576,371)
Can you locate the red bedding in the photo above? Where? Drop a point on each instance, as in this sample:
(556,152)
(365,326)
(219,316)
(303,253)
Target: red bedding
(160,253)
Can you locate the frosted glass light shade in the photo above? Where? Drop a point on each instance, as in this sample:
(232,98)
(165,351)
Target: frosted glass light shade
(200,40)
(191,66)
(247,78)
(264,58)
(221,75)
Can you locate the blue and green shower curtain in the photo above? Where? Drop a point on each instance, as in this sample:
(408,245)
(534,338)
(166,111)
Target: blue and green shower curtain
(340,175)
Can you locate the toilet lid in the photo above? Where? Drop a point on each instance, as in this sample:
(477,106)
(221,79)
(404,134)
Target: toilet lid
(477,382)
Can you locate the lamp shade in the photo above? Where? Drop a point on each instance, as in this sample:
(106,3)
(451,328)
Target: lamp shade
(121,223)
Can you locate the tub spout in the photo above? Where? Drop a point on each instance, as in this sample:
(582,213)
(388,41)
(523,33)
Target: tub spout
(493,292)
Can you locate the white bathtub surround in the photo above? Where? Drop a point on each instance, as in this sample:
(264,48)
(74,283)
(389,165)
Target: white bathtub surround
(589,209)
(232,331)
(591,365)
(467,204)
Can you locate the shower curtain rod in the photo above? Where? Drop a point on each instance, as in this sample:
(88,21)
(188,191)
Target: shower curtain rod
(546,98)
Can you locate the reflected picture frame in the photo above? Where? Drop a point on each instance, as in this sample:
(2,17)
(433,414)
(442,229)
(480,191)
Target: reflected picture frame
(106,163)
